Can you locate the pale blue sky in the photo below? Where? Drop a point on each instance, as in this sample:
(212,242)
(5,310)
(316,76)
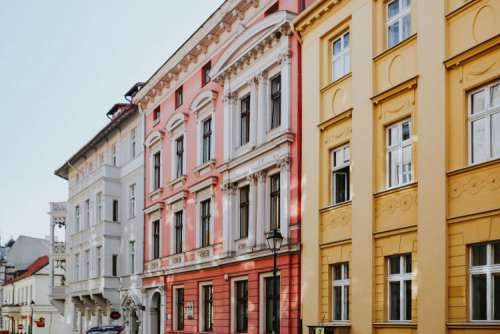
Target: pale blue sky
(63,64)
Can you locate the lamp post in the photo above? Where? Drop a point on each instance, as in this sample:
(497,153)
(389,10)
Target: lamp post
(274,240)
(32,304)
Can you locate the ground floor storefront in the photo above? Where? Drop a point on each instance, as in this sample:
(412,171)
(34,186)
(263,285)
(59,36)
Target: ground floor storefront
(229,298)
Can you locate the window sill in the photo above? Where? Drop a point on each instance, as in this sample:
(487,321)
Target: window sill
(205,167)
(395,324)
(336,82)
(396,189)
(180,180)
(475,325)
(472,167)
(404,42)
(155,192)
(335,206)
(336,324)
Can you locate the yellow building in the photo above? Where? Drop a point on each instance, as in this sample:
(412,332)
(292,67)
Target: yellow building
(401,166)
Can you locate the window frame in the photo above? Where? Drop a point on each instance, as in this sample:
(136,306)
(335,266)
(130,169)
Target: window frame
(345,52)
(346,153)
(77,219)
(156,170)
(402,144)
(236,305)
(342,283)
(179,96)
(132,200)
(114,155)
(205,74)
(203,303)
(402,13)
(245,114)
(178,232)
(206,140)
(275,194)
(275,97)
(99,267)
(98,209)
(205,222)
(179,156)
(179,317)
(401,278)
(155,240)
(244,211)
(131,253)
(133,143)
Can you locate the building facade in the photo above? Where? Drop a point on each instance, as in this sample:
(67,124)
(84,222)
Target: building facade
(104,225)
(222,153)
(401,169)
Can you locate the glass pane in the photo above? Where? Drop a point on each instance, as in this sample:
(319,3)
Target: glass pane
(406,131)
(346,40)
(479,140)
(346,270)
(394,168)
(407,300)
(337,272)
(393,36)
(340,178)
(496,253)
(495,95)
(407,164)
(406,3)
(346,154)
(478,255)
(337,303)
(337,46)
(346,303)
(347,62)
(337,68)
(394,265)
(495,135)
(406,26)
(393,8)
(394,137)
(407,261)
(479,297)
(496,296)
(394,300)
(478,103)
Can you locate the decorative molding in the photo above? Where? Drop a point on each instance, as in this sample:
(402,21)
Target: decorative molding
(179,196)
(404,86)
(314,13)
(469,54)
(472,185)
(203,99)
(206,183)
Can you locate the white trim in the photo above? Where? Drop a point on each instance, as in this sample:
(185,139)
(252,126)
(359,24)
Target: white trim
(401,278)
(398,18)
(345,53)
(344,154)
(343,282)
(399,147)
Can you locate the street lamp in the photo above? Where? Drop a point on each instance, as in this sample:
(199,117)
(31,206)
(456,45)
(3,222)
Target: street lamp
(274,240)
(32,304)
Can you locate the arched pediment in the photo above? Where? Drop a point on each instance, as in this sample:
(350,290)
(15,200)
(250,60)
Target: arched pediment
(202,99)
(154,137)
(175,120)
(248,38)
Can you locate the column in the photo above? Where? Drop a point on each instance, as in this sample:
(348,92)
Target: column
(227,100)
(254,97)
(252,215)
(285,90)
(261,209)
(284,197)
(227,218)
(262,113)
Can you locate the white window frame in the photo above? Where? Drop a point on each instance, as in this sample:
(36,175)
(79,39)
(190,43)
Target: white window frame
(174,306)
(133,143)
(99,267)
(487,114)
(131,252)
(201,308)
(233,300)
(400,146)
(152,170)
(345,53)
(398,18)
(202,142)
(87,213)
(344,152)
(344,282)
(401,278)
(489,269)
(173,231)
(173,145)
(114,155)
(132,200)
(77,219)
(87,264)
(98,208)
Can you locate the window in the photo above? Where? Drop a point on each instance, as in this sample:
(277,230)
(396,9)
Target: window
(341,56)
(179,309)
(178,232)
(245,120)
(87,264)
(340,292)
(270,290)
(156,114)
(276,102)
(340,175)
(156,170)
(275,201)
(131,201)
(179,157)
(398,21)
(484,123)
(244,211)
(115,210)
(205,223)
(399,154)
(207,308)
(114,157)
(77,267)
(87,213)
(114,265)
(241,288)
(99,261)
(179,97)
(133,143)
(99,208)
(205,74)
(156,240)
(131,252)
(77,218)
(399,287)
(485,281)
(207,140)
(101,159)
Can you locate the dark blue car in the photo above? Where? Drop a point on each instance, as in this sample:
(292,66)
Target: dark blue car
(106,330)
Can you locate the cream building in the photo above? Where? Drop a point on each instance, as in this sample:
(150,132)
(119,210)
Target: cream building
(401,168)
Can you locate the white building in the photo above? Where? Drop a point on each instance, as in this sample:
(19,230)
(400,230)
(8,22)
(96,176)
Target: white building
(104,225)
(26,301)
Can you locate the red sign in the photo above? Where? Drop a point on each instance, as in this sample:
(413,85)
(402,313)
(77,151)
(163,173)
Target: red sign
(115,315)
(40,323)
(20,326)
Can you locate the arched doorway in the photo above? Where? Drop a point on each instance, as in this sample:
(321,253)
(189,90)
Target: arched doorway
(154,314)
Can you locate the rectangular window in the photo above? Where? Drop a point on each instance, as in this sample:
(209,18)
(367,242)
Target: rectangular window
(156,170)
(399,287)
(179,157)
(485,281)
(207,140)
(340,292)
(87,213)
(98,208)
(114,157)
(115,210)
(179,97)
(244,211)
(241,289)
(341,56)
(399,154)
(114,265)
(156,239)
(207,304)
(205,73)
(131,201)
(133,143)
(77,267)
(245,120)
(341,175)
(156,114)
(131,252)
(276,102)
(77,218)
(178,232)
(398,21)
(87,264)
(270,290)
(205,223)
(484,123)
(275,201)
(99,261)
(179,309)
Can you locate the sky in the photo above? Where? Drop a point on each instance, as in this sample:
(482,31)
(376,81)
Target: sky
(63,64)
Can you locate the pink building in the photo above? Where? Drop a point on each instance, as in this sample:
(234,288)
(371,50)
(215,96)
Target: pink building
(222,169)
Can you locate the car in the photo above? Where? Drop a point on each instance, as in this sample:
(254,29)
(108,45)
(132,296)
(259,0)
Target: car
(106,330)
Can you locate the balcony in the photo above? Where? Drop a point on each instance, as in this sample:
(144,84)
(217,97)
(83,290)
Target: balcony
(108,229)
(59,251)
(58,292)
(103,172)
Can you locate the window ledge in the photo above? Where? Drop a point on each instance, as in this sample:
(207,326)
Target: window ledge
(335,206)
(395,324)
(205,167)
(335,82)
(180,180)
(336,324)
(155,192)
(474,325)
(404,42)
(396,189)
(472,167)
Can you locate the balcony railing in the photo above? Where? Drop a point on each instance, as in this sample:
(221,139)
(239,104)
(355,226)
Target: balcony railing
(105,171)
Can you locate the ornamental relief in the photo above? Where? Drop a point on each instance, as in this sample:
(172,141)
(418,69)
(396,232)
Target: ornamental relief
(477,72)
(335,223)
(339,135)
(397,203)
(474,184)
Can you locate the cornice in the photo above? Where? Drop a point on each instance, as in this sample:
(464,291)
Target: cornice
(312,14)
